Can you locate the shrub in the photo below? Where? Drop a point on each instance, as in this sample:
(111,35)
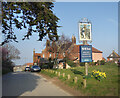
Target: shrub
(44,66)
(102,62)
(110,63)
(92,63)
(70,63)
(82,64)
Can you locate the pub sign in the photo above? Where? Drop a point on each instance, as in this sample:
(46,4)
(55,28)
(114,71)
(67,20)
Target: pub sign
(86,53)
(85,31)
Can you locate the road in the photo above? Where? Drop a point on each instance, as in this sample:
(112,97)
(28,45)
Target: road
(29,84)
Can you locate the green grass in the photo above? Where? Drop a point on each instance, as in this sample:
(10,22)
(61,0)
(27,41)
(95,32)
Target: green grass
(105,87)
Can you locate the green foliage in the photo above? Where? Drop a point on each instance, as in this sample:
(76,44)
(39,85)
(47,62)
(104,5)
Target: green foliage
(104,87)
(44,66)
(111,63)
(9,53)
(5,71)
(82,64)
(34,16)
(48,73)
(70,63)
(50,64)
(87,76)
(102,62)
(97,74)
(92,63)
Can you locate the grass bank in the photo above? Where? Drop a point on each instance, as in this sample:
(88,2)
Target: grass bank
(105,87)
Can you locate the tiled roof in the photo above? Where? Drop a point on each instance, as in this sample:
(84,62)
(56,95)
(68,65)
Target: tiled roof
(94,50)
(29,63)
(113,55)
(103,58)
(37,54)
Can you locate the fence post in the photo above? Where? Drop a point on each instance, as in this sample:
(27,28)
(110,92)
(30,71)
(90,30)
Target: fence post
(63,74)
(84,82)
(68,76)
(75,80)
(58,74)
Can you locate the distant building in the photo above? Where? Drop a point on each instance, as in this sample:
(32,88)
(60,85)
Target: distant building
(113,57)
(28,64)
(104,59)
(72,52)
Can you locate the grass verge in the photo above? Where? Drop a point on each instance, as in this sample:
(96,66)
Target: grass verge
(105,87)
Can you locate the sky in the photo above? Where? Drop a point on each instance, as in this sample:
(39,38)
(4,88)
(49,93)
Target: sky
(104,19)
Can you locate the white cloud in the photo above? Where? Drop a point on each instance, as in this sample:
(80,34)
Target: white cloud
(113,21)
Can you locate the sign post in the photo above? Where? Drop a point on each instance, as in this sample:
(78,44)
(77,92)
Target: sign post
(86,56)
(85,50)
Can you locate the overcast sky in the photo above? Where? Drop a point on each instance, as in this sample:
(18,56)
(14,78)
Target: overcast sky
(104,18)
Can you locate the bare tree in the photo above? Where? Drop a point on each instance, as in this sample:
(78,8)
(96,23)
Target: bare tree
(9,53)
(60,46)
(12,52)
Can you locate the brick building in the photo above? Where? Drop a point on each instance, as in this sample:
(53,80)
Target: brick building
(71,51)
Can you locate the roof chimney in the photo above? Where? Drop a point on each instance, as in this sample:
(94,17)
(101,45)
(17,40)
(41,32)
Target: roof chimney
(73,39)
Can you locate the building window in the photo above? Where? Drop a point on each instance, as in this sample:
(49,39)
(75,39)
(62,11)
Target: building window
(111,58)
(43,56)
(50,54)
(38,57)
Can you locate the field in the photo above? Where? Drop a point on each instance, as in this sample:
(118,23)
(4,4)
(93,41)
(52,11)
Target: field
(105,87)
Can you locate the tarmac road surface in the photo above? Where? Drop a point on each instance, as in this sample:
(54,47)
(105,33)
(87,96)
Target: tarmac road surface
(29,84)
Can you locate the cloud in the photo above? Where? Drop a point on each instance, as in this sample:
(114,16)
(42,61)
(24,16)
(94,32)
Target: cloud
(113,21)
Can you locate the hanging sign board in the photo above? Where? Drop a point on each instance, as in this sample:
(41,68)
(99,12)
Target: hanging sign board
(86,53)
(85,31)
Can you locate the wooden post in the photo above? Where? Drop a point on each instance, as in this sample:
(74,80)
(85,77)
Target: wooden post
(68,76)
(75,80)
(84,83)
(86,68)
(58,74)
(63,74)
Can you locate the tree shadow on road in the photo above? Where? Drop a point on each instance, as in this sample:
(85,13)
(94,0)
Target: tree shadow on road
(15,84)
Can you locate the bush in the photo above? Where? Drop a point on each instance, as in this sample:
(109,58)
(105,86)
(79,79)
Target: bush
(44,66)
(102,62)
(110,63)
(50,64)
(82,64)
(71,63)
(92,63)
(5,70)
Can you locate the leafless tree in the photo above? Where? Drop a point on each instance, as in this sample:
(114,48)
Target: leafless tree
(12,51)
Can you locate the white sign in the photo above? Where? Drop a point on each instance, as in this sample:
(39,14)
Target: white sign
(85,31)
